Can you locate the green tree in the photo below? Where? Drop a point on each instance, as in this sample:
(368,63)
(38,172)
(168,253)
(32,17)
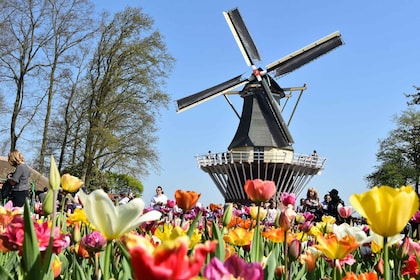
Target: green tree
(124,96)
(124,183)
(399,153)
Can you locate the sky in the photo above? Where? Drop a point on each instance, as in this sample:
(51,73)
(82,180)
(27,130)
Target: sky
(353,93)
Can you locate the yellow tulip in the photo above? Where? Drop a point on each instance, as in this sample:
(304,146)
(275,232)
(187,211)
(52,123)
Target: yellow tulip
(70,183)
(386,209)
(253,211)
(239,237)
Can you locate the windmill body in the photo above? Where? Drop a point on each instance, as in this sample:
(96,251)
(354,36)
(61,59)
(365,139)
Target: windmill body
(262,146)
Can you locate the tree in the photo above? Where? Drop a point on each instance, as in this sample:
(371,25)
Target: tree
(399,153)
(124,97)
(120,183)
(415,97)
(71,25)
(23,36)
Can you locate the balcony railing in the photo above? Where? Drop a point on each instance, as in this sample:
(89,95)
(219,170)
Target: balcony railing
(263,157)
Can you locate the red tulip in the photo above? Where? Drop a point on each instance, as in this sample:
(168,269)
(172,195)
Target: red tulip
(259,190)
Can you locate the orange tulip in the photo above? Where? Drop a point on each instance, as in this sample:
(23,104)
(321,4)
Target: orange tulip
(308,259)
(334,248)
(56,266)
(186,200)
(259,190)
(275,235)
(362,276)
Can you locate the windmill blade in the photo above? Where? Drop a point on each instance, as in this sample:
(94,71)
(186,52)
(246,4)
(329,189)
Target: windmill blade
(242,36)
(202,96)
(305,55)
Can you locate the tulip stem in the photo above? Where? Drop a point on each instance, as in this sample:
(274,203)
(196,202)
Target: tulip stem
(336,270)
(107,259)
(286,256)
(386,260)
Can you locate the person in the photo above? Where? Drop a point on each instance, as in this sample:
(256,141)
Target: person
(43,195)
(272,211)
(159,199)
(314,157)
(124,199)
(301,207)
(313,205)
(333,206)
(327,198)
(19,179)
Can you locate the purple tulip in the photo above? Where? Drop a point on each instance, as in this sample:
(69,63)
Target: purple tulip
(93,242)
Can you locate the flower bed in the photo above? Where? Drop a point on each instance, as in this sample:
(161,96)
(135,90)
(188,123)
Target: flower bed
(104,241)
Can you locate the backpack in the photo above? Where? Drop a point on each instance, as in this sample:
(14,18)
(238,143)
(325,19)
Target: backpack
(6,190)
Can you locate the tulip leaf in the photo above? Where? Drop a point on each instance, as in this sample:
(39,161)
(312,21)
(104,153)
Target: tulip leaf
(5,273)
(31,256)
(257,246)
(220,248)
(123,250)
(271,264)
(192,226)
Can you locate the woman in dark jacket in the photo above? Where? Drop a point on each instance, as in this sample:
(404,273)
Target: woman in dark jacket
(19,179)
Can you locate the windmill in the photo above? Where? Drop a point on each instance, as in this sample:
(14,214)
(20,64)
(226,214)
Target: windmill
(262,145)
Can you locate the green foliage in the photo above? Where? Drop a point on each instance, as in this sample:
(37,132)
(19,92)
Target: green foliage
(399,153)
(124,183)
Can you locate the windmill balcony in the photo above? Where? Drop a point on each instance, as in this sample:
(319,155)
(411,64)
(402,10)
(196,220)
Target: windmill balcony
(262,157)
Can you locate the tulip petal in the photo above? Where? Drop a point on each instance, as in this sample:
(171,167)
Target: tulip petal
(386,209)
(113,221)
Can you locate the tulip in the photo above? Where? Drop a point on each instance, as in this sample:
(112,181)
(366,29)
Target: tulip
(411,267)
(93,242)
(239,237)
(227,214)
(335,248)
(309,259)
(345,229)
(253,211)
(276,235)
(344,211)
(48,204)
(284,221)
(170,203)
(233,268)
(70,183)
(186,200)
(386,209)
(294,250)
(259,190)
(54,175)
(288,199)
(114,221)
(362,276)
(56,266)
(170,260)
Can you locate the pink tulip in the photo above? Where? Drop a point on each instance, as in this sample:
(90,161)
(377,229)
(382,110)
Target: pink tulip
(288,198)
(344,211)
(259,190)
(93,242)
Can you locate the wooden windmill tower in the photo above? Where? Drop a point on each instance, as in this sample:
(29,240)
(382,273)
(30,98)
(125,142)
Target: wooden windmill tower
(262,145)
